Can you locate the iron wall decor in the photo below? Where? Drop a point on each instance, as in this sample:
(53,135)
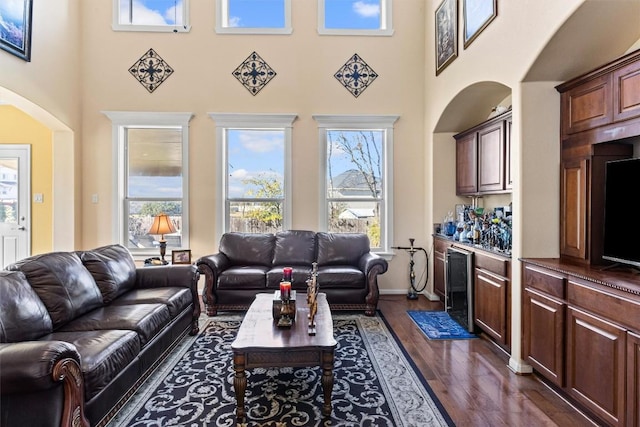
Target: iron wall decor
(254,73)
(478,14)
(356,75)
(15,28)
(446,34)
(151,70)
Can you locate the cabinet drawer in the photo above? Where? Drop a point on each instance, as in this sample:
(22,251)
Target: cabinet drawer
(495,265)
(598,300)
(545,281)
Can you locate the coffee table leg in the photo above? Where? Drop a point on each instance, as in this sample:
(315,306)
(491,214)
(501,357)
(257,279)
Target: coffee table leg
(239,384)
(327,381)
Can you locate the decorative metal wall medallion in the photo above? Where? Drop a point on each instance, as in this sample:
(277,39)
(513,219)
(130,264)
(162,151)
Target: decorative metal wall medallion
(151,70)
(355,75)
(254,73)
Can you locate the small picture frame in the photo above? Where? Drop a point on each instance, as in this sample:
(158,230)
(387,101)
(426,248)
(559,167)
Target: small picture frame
(446,34)
(182,256)
(478,14)
(17,15)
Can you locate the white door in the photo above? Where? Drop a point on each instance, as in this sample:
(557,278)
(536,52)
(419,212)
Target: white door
(15,215)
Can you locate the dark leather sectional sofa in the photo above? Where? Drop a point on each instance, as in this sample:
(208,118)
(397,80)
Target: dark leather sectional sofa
(249,263)
(79,332)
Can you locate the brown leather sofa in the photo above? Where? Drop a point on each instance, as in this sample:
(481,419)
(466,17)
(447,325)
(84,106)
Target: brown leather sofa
(80,331)
(249,263)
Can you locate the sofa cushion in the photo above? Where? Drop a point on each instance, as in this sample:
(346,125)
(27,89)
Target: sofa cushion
(147,320)
(63,284)
(23,316)
(294,247)
(113,269)
(248,248)
(176,299)
(104,354)
(246,277)
(341,277)
(341,248)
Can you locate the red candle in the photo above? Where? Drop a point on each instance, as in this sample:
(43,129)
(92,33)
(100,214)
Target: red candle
(285,290)
(286,274)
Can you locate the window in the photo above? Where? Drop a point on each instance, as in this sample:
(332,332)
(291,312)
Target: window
(151,15)
(357,181)
(255,155)
(355,17)
(253,16)
(151,153)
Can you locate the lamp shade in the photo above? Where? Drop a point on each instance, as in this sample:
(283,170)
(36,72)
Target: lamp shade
(162,225)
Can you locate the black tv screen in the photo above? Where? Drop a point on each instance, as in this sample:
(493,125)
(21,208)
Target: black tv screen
(621,232)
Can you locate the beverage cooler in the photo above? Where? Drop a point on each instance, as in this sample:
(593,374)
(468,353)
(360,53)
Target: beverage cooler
(459,286)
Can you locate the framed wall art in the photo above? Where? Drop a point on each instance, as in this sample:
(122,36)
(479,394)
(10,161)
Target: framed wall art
(446,34)
(478,14)
(15,31)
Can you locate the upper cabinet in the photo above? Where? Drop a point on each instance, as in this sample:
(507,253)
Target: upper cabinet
(597,106)
(483,158)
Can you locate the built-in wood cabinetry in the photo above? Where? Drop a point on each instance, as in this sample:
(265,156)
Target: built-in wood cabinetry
(491,288)
(483,157)
(581,329)
(599,112)
(582,177)
(580,320)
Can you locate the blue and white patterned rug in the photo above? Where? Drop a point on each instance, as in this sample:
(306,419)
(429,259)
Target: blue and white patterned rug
(376,384)
(438,325)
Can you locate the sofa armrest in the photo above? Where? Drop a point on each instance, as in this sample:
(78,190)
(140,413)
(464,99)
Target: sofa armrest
(212,266)
(178,275)
(372,265)
(32,366)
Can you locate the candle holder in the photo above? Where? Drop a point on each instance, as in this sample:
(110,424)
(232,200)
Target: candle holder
(287,311)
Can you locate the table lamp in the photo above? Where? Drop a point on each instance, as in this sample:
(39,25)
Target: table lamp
(162,225)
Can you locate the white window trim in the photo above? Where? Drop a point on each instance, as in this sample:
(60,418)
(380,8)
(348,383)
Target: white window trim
(120,121)
(222,17)
(382,122)
(185,28)
(386,12)
(251,121)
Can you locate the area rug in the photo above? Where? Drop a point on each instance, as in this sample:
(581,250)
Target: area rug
(438,325)
(376,384)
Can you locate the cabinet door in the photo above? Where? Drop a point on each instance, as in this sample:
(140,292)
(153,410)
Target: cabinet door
(490,304)
(626,92)
(573,208)
(587,106)
(633,379)
(596,353)
(491,158)
(543,335)
(466,165)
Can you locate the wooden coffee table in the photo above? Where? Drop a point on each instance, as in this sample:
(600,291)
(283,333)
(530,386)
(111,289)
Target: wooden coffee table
(260,343)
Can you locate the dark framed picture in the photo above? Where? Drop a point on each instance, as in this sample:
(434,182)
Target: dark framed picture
(446,34)
(182,256)
(15,31)
(478,14)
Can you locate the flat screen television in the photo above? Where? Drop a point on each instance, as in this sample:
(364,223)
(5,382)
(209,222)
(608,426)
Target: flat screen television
(621,229)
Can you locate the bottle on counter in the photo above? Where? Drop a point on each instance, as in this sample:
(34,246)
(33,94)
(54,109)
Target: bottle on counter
(477,232)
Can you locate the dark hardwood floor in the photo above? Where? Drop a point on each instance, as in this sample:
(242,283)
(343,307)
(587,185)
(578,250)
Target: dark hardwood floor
(471,377)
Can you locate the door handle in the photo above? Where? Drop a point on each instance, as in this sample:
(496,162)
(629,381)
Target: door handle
(22,228)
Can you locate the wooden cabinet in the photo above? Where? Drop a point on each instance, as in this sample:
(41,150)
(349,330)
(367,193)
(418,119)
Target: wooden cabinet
(582,178)
(481,158)
(467,165)
(581,330)
(491,288)
(596,353)
(598,106)
(508,184)
(439,265)
(491,296)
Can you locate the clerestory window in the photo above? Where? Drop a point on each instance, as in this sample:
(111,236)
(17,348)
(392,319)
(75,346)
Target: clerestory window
(355,17)
(253,16)
(151,15)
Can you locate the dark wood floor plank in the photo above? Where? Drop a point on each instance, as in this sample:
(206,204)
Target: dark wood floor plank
(472,379)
